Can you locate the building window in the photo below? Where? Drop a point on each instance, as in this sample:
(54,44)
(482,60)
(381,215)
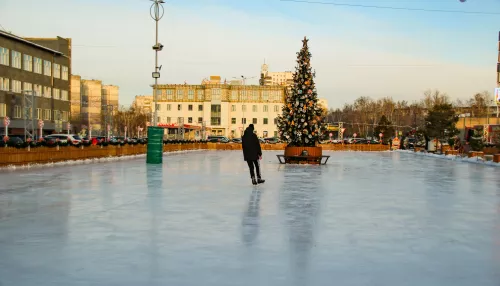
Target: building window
(169,119)
(47,68)
(57,115)
(233,107)
(27,87)
(190,107)
(64,95)
(266,121)
(65,73)
(255,95)
(200,120)
(234,95)
(179,107)
(4,56)
(254,120)
(17,111)
(276,108)
(37,89)
(65,116)
(170,94)
(57,93)
(16,86)
(28,63)
(180,93)
(275,134)
(243,121)
(243,95)
(265,95)
(266,108)
(200,95)
(169,107)
(37,66)
(3,109)
(215,94)
(47,91)
(57,71)
(276,121)
(38,113)
(47,114)
(190,119)
(215,121)
(16,59)
(254,108)
(271,95)
(200,107)
(4,84)
(243,108)
(190,94)
(233,120)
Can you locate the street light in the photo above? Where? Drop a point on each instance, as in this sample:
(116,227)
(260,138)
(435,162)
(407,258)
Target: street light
(156,11)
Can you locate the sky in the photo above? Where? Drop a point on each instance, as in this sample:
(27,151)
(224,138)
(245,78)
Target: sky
(356,51)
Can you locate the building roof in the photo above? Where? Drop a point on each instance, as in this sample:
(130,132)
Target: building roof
(19,39)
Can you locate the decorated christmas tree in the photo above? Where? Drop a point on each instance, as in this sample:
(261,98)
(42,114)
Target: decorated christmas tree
(301,123)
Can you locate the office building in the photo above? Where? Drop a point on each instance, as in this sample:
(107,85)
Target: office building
(40,67)
(91,104)
(221,108)
(275,78)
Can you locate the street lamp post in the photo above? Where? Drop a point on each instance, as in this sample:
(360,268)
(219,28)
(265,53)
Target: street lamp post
(156,12)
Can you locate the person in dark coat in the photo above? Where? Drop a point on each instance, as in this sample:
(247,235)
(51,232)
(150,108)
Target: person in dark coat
(252,153)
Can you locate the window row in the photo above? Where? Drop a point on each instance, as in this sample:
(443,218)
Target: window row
(242,95)
(190,107)
(190,120)
(39,90)
(43,114)
(33,64)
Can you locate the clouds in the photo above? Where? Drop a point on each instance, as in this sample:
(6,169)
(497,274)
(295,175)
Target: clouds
(354,54)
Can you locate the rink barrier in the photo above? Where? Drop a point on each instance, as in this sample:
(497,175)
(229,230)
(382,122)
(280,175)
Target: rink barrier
(40,155)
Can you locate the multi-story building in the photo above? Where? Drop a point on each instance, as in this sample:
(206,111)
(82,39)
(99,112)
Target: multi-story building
(110,97)
(40,67)
(76,103)
(91,104)
(143,103)
(223,109)
(275,78)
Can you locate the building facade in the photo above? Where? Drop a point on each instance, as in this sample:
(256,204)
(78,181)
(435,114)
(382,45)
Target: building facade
(76,103)
(275,78)
(42,69)
(223,109)
(91,104)
(143,103)
(110,95)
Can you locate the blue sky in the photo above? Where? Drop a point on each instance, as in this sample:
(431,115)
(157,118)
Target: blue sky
(356,51)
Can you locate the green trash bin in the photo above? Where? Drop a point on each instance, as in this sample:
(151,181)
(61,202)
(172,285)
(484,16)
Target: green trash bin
(155,145)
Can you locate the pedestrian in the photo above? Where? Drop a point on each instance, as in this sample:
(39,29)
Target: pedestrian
(252,153)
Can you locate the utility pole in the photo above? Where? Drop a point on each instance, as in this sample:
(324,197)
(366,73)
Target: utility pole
(156,12)
(29,114)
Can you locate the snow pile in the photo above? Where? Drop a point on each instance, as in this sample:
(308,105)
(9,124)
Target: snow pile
(475,160)
(85,161)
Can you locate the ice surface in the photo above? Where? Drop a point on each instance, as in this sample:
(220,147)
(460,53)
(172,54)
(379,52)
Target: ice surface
(363,219)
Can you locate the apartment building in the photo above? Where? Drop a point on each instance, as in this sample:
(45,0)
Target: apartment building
(91,104)
(143,103)
(41,67)
(222,108)
(109,97)
(76,103)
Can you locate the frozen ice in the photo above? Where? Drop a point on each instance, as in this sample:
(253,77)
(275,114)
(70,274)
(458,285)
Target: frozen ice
(386,218)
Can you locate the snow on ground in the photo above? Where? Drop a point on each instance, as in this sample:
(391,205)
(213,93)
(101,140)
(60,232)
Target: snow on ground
(387,218)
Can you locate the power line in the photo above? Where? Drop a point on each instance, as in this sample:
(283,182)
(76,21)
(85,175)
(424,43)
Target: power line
(393,8)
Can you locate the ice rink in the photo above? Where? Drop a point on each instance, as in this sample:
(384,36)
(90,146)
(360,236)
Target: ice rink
(364,219)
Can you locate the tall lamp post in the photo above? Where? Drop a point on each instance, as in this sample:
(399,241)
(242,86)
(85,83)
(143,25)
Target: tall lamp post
(156,12)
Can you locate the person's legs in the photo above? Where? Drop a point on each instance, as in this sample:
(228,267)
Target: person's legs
(250,166)
(257,167)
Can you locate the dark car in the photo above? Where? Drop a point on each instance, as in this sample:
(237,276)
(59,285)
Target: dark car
(272,140)
(236,140)
(218,139)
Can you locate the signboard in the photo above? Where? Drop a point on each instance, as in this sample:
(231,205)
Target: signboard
(6,121)
(355,135)
(68,126)
(497,95)
(380,135)
(40,123)
(331,135)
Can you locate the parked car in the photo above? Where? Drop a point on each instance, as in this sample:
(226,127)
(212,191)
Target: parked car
(236,140)
(218,139)
(272,140)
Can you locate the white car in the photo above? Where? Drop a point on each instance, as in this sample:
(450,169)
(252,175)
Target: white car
(63,138)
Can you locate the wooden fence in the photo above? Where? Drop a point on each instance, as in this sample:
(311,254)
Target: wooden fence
(40,155)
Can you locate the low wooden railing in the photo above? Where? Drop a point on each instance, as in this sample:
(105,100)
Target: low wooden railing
(40,155)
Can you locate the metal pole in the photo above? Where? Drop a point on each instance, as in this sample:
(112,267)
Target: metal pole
(156,14)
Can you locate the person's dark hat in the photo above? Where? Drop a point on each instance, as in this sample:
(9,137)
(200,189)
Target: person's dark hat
(251,127)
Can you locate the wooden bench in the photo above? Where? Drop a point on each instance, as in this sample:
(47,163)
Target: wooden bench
(303,159)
